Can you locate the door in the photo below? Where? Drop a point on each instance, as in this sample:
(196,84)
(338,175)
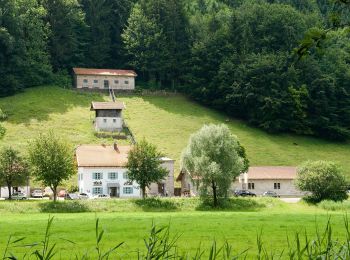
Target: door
(161,189)
(106,84)
(114,192)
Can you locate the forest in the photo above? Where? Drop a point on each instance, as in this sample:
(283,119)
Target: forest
(245,58)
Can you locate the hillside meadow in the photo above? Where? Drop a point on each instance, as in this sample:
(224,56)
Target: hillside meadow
(130,221)
(167,121)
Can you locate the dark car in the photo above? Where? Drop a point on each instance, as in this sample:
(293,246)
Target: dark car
(244,193)
(270,194)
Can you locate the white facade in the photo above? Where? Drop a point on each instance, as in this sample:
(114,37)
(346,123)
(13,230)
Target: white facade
(114,181)
(109,124)
(4,192)
(110,181)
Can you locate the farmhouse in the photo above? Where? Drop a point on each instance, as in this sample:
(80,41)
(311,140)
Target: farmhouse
(279,179)
(108,116)
(102,170)
(104,79)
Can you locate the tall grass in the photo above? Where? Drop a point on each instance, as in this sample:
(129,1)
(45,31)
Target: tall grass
(161,244)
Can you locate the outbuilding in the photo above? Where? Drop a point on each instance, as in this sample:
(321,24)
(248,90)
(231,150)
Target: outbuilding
(108,116)
(258,180)
(104,79)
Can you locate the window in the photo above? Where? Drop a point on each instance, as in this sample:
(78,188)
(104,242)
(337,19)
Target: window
(128,190)
(105,120)
(97,176)
(97,190)
(126,82)
(277,186)
(112,175)
(95,81)
(116,82)
(85,81)
(114,120)
(125,176)
(251,186)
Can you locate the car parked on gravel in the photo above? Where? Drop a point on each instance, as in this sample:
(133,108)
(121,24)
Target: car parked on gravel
(37,194)
(244,193)
(19,196)
(83,196)
(270,194)
(101,196)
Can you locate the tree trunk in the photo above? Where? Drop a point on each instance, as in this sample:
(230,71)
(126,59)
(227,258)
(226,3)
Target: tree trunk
(143,192)
(54,190)
(214,193)
(9,189)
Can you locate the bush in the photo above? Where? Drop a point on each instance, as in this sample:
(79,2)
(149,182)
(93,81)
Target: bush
(2,131)
(334,205)
(3,115)
(324,180)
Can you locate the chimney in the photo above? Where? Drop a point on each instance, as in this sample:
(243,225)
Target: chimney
(115,146)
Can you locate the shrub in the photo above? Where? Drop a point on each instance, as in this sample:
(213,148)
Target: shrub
(3,115)
(334,205)
(324,180)
(2,131)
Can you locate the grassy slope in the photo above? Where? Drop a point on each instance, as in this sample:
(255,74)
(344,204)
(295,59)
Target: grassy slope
(239,228)
(166,121)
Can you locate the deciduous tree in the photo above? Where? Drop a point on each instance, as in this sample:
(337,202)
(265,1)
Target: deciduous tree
(144,165)
(52,160)
(13,169)
(213,157)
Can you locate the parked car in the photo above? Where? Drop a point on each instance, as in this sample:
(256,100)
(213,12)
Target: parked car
(101,196)
(71,196)
(270,194)
(62,194)
(244,193)
(37,194)
(83,196)
(19,196)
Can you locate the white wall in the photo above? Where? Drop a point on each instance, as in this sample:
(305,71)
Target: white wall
(287,187)
(109,125)
(5,192)
(85,181)
(120,85)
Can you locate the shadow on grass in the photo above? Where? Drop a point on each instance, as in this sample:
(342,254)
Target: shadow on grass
(156,204)
(64,207)
(232,204)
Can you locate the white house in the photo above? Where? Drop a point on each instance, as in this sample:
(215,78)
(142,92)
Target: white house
(85,78)
(102,170)
(108,116)
(279,179)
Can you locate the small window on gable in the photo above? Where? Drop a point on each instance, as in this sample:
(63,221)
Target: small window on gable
(126,81)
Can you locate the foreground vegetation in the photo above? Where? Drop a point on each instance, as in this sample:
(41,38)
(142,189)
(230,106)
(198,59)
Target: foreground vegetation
(166,121)
(130,221)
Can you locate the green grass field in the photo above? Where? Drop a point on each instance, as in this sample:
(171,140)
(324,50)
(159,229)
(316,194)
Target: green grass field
(166,121)
(123,221)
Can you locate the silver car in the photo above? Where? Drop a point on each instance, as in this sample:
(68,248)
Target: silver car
(19,196)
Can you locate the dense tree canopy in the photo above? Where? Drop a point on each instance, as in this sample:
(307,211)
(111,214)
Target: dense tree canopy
(282,65)
(214,158)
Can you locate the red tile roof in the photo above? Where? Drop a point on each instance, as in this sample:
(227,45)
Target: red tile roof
(104,72)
